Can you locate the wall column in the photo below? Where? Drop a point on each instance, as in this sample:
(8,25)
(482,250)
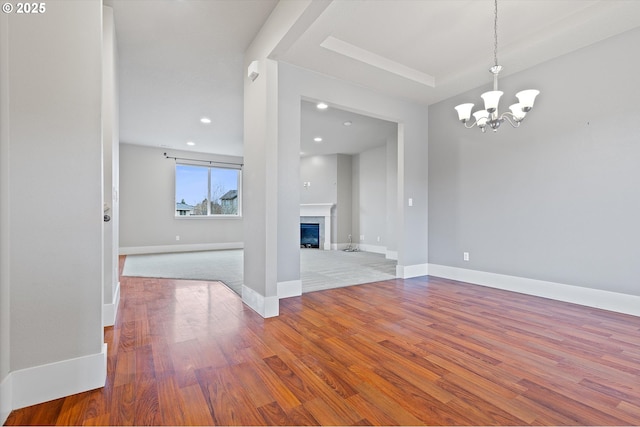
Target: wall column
(51,257)
(260,181)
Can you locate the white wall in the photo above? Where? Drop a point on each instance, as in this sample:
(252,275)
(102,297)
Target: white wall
(556,200)
(147,206)
(52,202)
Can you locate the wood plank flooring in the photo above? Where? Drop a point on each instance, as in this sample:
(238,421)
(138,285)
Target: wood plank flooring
(422,351)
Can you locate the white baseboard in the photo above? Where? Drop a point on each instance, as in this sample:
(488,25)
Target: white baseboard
(55,380)
(264,306)
(137,250)
(612,301)
(291,288)
(409,271)
(343,246)
(373,248)
(367,248)
(5,398)
(110,311)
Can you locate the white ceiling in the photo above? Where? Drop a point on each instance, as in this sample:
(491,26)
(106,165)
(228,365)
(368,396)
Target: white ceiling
(362,134)
(180,60)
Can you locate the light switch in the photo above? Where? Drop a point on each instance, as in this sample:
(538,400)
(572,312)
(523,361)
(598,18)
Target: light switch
(410,201)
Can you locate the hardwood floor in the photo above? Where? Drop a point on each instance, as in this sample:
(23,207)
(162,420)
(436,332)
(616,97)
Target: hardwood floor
(400,352)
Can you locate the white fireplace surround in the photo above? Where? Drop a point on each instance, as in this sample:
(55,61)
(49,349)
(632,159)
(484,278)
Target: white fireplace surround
(322,210)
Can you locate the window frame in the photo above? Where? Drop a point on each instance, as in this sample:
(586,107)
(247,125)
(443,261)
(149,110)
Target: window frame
(209,166)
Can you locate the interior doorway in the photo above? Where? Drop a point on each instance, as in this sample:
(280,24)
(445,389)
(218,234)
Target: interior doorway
(349,161)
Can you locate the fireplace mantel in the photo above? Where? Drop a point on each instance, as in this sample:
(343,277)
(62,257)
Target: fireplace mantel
(316,209)
(322,210)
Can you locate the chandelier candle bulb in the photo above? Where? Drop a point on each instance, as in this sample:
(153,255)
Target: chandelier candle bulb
(518,113)
(481,118)
(491,100)
(527,98)
(464,111)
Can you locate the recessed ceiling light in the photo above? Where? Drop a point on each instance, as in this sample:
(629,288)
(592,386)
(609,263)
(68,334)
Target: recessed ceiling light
(322,106)
(205,120)
(317,139)
(347,123)
(191,143)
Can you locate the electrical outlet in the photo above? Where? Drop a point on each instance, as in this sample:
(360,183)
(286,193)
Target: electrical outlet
(410,202)
(378,239)
(465,256)
(177,238)
(362,237)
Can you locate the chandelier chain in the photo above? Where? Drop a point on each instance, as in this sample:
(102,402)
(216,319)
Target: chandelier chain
(495,34)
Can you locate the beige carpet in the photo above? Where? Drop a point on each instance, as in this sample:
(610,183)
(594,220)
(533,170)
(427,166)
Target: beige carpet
(318,269)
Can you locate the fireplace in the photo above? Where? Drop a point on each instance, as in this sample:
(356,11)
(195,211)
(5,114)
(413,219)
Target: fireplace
(319,213)
(309,235)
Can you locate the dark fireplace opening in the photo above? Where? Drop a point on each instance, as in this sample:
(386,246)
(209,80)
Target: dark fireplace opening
(310,235)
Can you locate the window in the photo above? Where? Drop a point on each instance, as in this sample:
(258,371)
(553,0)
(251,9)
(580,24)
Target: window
(208,191)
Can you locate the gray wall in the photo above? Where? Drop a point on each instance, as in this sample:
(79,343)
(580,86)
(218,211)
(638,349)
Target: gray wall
(344,211)
(52,192)
(322,173)
(110,159)
(364,188)
(375,199)
(392,197)
(370,202)
(330,178)
(557,199)
(147,204)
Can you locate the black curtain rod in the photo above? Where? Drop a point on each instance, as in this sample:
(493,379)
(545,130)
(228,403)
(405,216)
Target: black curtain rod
(203,161)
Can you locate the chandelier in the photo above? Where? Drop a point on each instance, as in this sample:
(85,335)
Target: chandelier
(490,116)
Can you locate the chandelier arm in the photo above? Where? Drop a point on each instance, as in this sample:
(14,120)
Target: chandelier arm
(472,124)
(512,121)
